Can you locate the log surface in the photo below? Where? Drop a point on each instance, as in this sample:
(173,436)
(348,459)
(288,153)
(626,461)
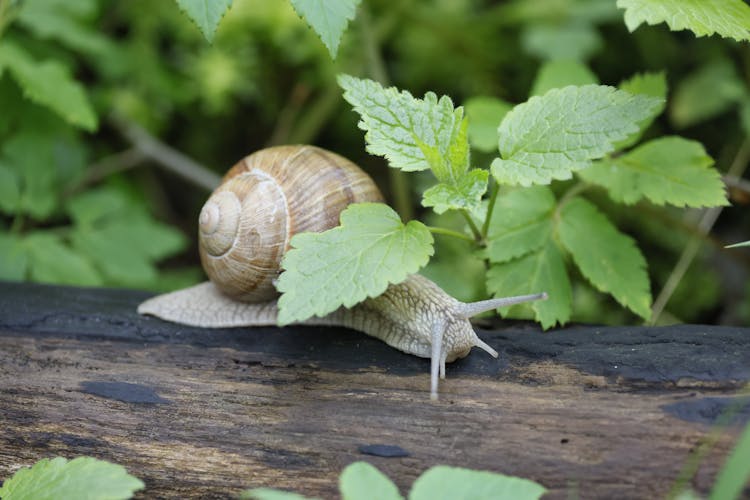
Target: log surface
(599,412)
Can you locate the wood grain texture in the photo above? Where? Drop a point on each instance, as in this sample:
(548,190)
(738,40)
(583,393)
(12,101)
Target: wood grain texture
(604,412)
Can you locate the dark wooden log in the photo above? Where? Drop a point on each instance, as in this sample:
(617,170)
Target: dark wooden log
(605,412)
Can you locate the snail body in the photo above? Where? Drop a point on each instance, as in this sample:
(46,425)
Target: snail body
(245,228)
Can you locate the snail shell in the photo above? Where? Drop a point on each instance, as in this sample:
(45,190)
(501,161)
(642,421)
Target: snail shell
(265,199)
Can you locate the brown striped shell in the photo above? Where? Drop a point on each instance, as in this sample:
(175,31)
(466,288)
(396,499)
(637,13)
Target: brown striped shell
(264,200)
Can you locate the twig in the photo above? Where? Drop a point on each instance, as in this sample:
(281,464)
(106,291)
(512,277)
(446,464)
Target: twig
(450,232)
(169,158)
(704,227)
(109,165)
(736,182)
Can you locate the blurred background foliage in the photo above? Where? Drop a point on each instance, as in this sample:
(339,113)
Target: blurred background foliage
(87,86)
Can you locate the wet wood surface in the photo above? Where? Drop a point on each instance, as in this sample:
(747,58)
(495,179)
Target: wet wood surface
(590,411)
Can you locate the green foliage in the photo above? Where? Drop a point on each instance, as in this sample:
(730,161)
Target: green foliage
(561,73)
(710,91)
(371,249)
(574,41)
(206,14)
(328,18)
(485,114)
(443,482)
(551,136)
(728,18)
(362,481)
(666,170)
(83,478)
(49,84)
(735,472)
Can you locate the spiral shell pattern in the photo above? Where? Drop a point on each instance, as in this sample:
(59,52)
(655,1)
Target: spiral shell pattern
(247,223)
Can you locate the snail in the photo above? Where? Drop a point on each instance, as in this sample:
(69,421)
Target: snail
(245,228)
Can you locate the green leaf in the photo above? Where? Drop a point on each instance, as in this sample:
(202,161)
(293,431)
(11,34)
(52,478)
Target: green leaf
(49,84)
(94,205)
(448,483)
(485,114)
(271,494)
(206,14)
(328,18)
(13,259)
(712,90)
(560,73)
(51,261)
(521,223)
(30,157)
(576,41)
(362,481)
(412,134)
(464,194)
(728,18)
(651,84)
(540,271)
(83,477)
(609,259)
(551,136)
(735,473)
(10,191)
(666,170)
(64,21)
(371,249)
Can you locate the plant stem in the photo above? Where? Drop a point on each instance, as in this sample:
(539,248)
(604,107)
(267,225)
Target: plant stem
(399,182)
(490,209)
(450,232)
(474,229)
(739,164)
(574,190)
(169,158)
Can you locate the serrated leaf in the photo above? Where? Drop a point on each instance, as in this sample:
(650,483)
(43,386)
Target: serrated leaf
(728,18)
(576,41)
(13,259)
(464,194)
(206,14)
(412,134)
(666,170)
(521,223)
(485,114)
(328,18)
(362,481)
(83,477)
(540,271)
(710,91)
(651,84)
(92,206)
(10,191)
(343,266)
(551,136)
(560,73)
(448,483)
(30,157)
(51,261)
(271,494)
(49,84)
(609,259)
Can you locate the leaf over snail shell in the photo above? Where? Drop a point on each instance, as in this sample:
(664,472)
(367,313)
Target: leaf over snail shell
(245,229)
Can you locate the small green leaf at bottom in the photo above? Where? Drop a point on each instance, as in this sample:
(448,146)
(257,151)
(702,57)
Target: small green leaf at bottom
(448,483)
(609,259)
(83,477)
(362,481)
(540,271)
(343,266)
